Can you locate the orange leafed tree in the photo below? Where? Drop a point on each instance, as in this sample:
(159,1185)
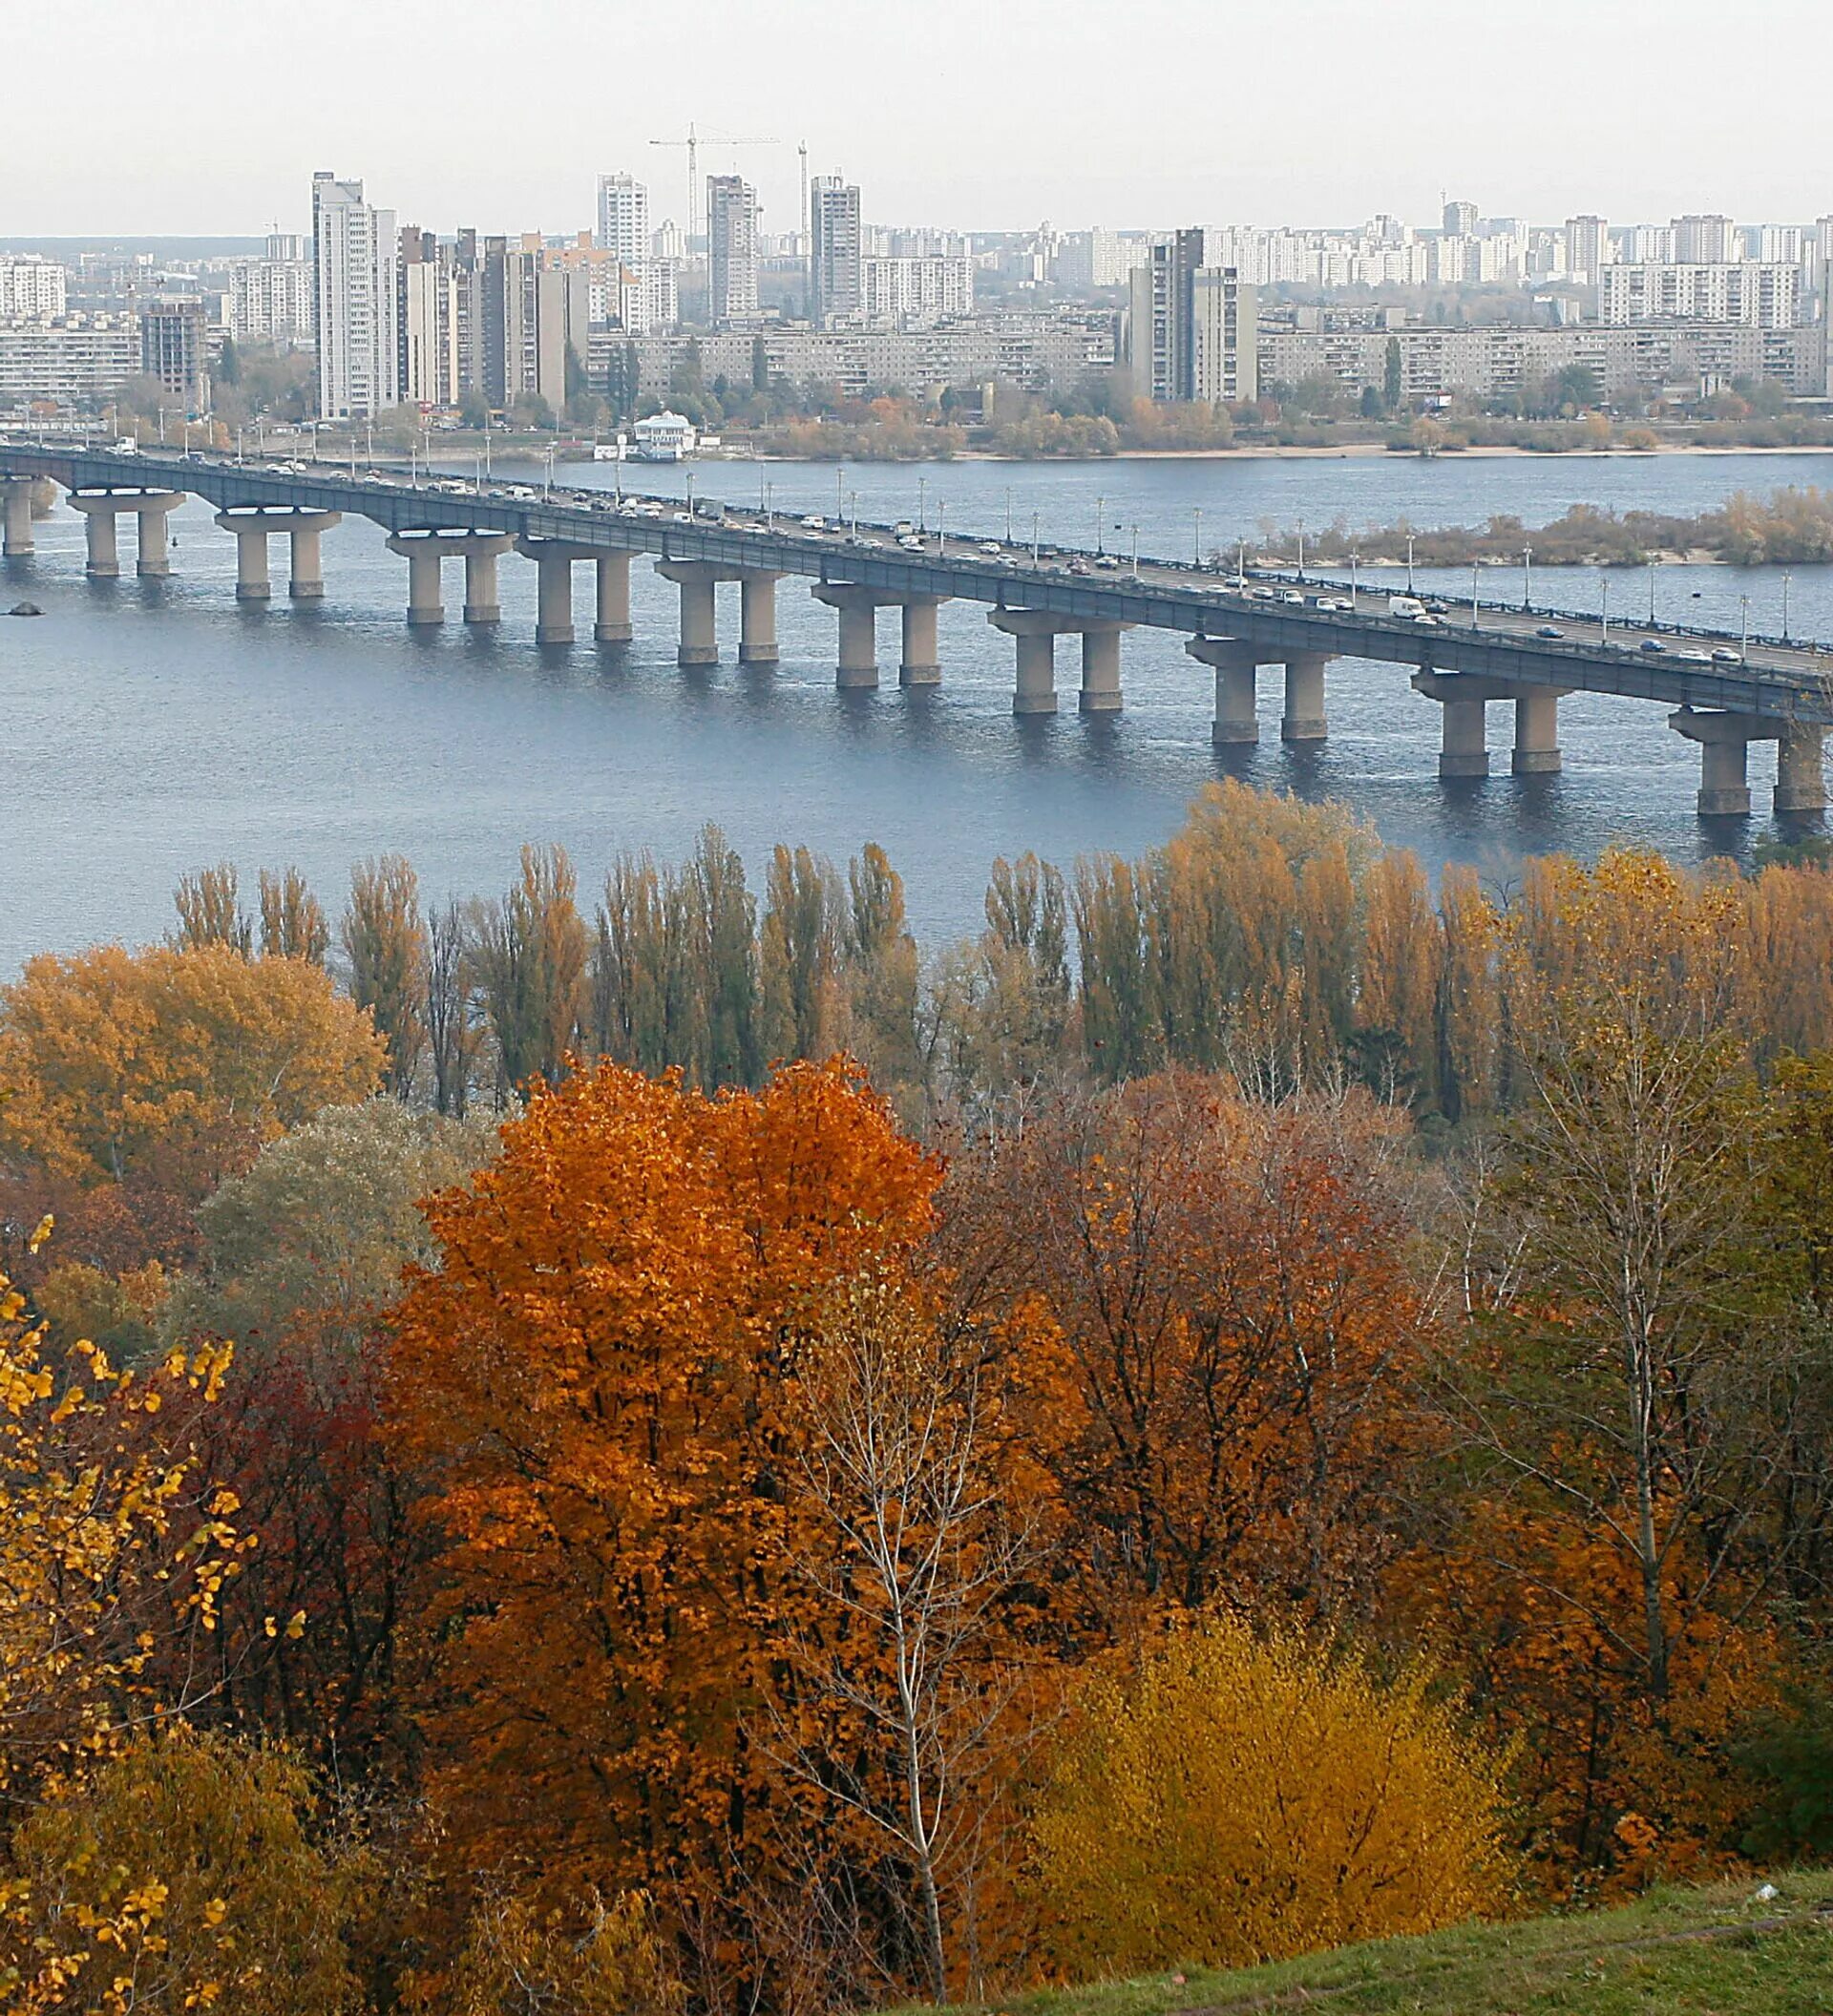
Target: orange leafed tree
(592,1379)
(113,1057)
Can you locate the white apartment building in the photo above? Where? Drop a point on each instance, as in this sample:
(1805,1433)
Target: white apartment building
(31,285)
(1768,296)
(270,300)
(623,230)
(75,362)
(1704,240)
(916,293)
(354,264)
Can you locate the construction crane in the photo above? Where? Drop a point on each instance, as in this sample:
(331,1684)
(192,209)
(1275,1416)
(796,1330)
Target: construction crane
(693,144)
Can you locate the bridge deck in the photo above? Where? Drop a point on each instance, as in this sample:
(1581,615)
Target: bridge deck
(1765,679)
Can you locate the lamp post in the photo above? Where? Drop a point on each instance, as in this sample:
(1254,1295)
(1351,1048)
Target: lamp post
(839,507)
(690,497)
(1355,562)
(769,493)
(922,519)
(1036,561)
(1604,606)
(1009,513)
(1475,605)
(1302,553)
(941,537)
(1651,594)
(1135,553)
(1527,577)
(1101,508)
(1743,641)
(1240,566)
(1785,605)
(1409,564)
(1197,541)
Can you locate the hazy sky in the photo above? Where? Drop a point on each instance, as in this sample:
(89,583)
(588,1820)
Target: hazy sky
(174,115)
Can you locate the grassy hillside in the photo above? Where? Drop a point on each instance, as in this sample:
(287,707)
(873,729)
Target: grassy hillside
(1717,1951)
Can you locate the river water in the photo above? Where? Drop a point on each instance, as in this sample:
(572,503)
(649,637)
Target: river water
(151,727)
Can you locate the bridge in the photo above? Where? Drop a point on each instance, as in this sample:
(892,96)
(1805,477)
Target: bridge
(1722,692)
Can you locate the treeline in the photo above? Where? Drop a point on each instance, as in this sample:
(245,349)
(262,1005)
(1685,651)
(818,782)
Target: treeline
(1268,937)
(1791,527)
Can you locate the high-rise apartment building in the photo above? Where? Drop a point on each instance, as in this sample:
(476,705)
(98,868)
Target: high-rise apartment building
(1588,248)
(354,300)
(731,250)
(1460,219)
(835,279)
(175,349)
(1190,328)
(1704,242)
(623,230)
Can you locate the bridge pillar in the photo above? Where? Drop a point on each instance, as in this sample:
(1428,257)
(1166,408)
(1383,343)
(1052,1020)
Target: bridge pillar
(305,573)
(1800,776)
(1237,725)
(553,599)
(1101,669)
(152,544)
(1537,730)
(100,537)
(253,584)
(857,668)
(15,501)
(1724,757)
(757,619)
(1303,720)
(921,663)
(1036,634)
(699,612)
(613,616)
(483,601)
(422,553)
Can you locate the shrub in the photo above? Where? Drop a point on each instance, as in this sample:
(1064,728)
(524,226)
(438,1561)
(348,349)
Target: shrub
(1236,1798)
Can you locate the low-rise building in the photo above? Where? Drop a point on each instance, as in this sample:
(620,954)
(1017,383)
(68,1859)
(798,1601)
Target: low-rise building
(68,363)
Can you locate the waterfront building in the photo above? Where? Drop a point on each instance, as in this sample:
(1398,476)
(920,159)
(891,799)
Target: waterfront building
(70,363)
(1190,326)
(624,232)
(1766,294)
(175,349)
(355,302)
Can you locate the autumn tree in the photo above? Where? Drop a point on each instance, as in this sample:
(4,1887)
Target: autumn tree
(292,919)
(1230,1797)
(907,1667)
(303,1257)
(881,968)
(180,1875)
(453,1020)
(1229,1333)
(529,955)
(384,940)
(802,1003)
(593,1389)
(110,1058)
(210,911)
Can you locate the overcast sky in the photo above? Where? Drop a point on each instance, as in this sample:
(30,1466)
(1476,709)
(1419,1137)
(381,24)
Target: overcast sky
(173,115)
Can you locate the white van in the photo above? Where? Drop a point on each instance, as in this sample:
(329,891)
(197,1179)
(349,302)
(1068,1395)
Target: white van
(1406,605)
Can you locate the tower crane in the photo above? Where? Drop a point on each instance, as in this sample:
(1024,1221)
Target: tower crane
(693,144)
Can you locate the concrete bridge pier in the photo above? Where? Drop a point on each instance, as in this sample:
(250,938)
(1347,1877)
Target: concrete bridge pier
(612,623)
(1237,725)
(1536,753)
(1464,697)
(152,542)
(422,553)
(480,552)
(1036,633)
(1303,720)
(858,669)
(1100,668)
(757,618)
(305,573)
(921,662)
(1724,757)
(698,610)
(1800,774)
(16,513)
(253,582)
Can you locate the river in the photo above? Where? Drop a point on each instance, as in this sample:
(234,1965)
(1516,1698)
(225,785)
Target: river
(151,727)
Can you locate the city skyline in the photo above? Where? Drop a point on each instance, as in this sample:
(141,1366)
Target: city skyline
(997,130)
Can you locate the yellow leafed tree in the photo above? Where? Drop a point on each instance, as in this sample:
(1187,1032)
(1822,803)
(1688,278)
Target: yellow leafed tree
(1237,1799)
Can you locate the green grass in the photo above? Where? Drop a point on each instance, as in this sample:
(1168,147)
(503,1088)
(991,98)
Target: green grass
(1711,1951)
